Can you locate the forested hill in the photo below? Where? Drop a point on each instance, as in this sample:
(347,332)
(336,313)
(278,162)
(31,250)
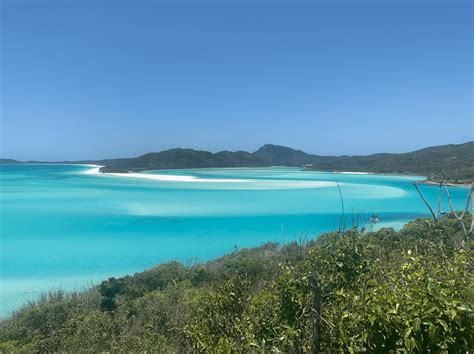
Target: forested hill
(267,155)
(454,162)
(276,155)
(8,161)
(182,158)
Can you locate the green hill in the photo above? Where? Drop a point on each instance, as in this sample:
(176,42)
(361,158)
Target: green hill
(182,158)
(454,162)
(8,161)
(276,155)
(359,291)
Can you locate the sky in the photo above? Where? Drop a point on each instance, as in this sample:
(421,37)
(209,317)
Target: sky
(103,79)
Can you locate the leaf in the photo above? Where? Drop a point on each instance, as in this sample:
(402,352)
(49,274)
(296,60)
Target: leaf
(453,313)
(444,324)
(432,332)
(416,324)
(407,332)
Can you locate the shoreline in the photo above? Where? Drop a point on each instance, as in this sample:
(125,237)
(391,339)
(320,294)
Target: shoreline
(424,181)
(367,173)
(95,170)
(451,184)
(171,178)
(353,173)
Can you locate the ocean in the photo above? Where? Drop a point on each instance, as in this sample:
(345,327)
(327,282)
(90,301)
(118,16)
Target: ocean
(68,227)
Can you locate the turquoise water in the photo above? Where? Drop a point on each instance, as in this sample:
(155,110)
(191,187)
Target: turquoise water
(62,228)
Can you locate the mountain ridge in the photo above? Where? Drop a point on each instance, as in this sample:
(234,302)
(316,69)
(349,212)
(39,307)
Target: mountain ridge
(454,162)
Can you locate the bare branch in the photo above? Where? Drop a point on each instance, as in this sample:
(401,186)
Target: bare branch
(342,225)
(435,218)
(440,195)
(459,218)
(466,206)
(450,202)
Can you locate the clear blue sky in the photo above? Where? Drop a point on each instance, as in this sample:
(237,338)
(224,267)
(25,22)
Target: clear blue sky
(101,79)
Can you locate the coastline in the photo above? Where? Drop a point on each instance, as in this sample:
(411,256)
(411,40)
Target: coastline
(95,170)
(171,178)
(425,181)
(353,173)
(451,184)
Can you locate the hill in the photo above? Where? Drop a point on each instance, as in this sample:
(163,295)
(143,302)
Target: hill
(386,291)
(182,158)
(8,161)
(454,162)
(277,155)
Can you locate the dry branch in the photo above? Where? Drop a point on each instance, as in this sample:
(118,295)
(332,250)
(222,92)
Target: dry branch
(435,218)
(460,218)
(342,223)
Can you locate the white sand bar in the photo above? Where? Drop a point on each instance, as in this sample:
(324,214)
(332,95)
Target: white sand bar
(93,171)
(353,173)
(249,183)
(256,184)
(175,178)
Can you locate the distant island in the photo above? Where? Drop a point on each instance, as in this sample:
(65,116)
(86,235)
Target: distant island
(453,162)
(8,161)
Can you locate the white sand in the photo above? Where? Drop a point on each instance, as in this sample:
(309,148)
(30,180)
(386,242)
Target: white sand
(93,171)
(353,173)
(257,184)
(174,178)
(249,184)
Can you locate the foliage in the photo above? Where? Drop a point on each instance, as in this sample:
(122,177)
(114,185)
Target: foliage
(407,291)
(454,163)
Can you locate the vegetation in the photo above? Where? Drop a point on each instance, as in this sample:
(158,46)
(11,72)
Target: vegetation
(182,158)
(454,163)
(407,291)
(276,155)
(8,161)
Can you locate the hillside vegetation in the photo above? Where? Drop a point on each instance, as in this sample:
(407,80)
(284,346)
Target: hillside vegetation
(454,163)
(8,161)
(407,291)
(182,158)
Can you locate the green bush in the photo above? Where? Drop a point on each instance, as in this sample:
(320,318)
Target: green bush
(408,291)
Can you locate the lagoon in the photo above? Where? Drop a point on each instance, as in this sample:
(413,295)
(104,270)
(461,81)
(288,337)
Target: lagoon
(69,227)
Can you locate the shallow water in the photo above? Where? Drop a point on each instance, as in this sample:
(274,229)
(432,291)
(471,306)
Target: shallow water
(63,228)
